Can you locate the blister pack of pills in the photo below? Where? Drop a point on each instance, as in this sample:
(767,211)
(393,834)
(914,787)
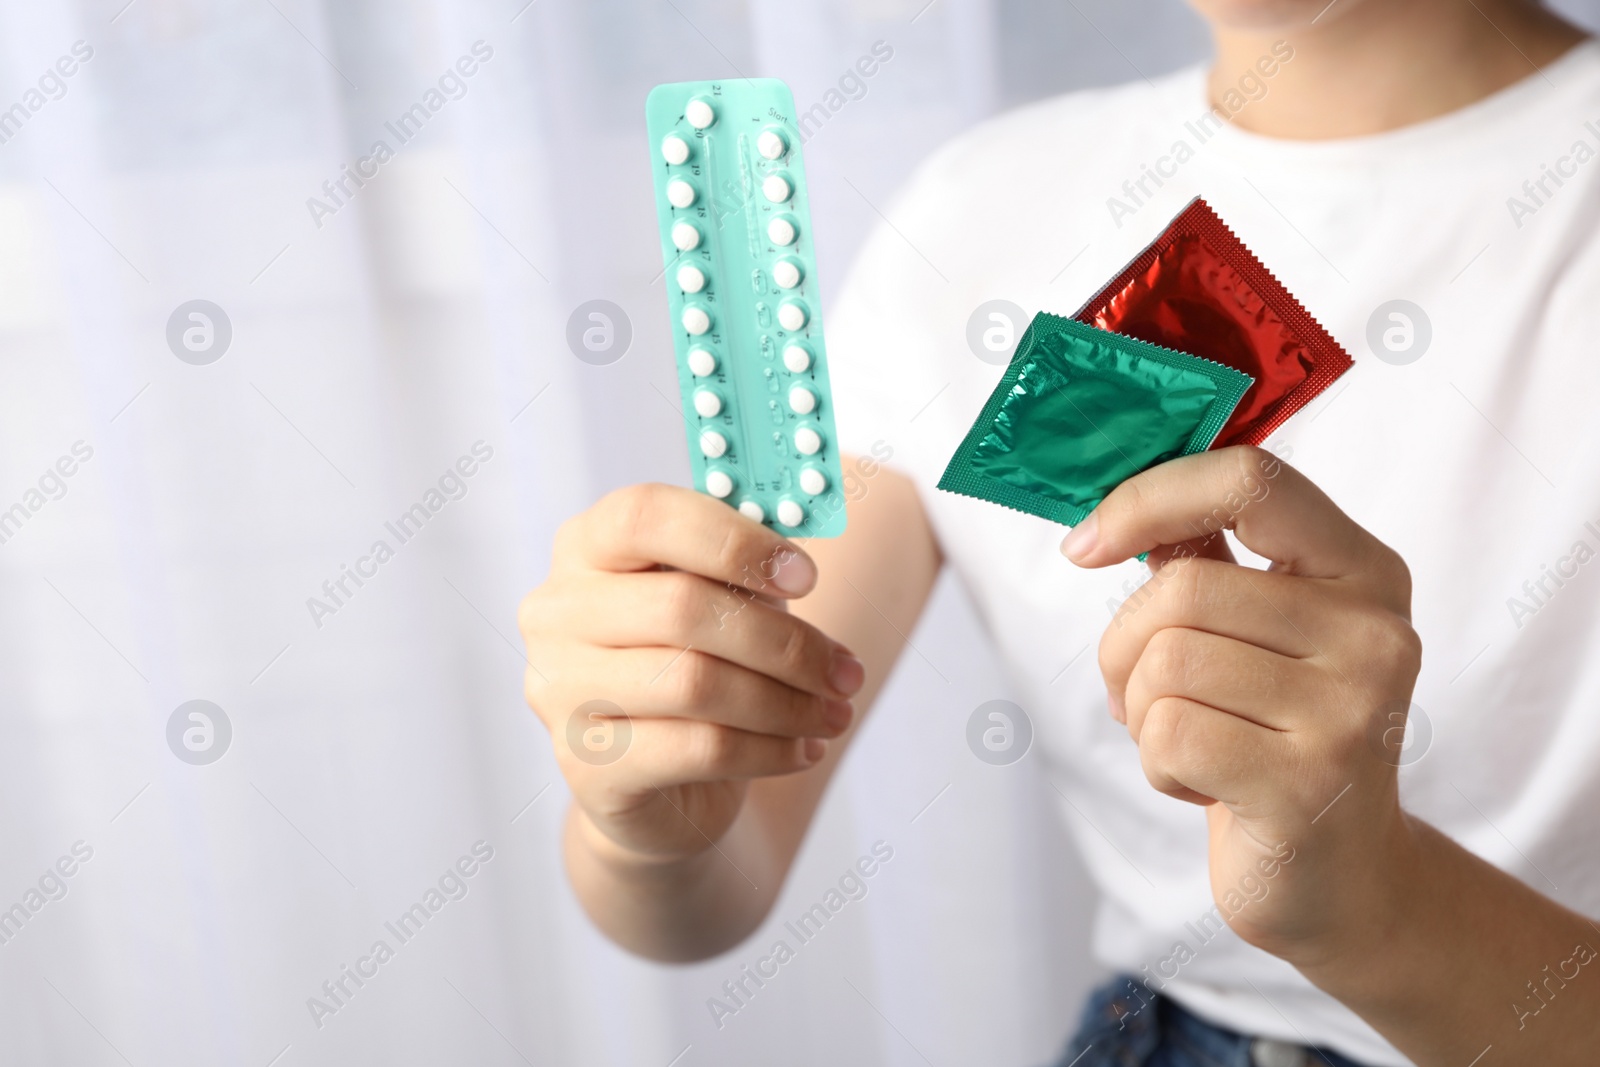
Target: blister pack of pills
(741,280)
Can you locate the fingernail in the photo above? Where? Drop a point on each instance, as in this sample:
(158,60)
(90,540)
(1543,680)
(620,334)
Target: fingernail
(814,749)
(795,574)
(836,714)
(846,674)
(1081,541)
(1119,709)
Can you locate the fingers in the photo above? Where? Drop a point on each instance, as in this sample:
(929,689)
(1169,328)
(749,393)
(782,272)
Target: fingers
(1231,676)
(675,609)
(1194,752)
(661,753)
(645,526)
(1261,608)
(683,683)
(1275,511)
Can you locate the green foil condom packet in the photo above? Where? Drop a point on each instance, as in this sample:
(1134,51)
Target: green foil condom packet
(1079,410)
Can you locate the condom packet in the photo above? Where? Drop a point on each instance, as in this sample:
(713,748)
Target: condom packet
(1079,410)
(1198,289)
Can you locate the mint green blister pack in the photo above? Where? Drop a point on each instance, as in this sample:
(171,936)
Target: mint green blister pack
(741,281)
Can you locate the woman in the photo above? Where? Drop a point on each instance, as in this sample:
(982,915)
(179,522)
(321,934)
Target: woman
(1417,171)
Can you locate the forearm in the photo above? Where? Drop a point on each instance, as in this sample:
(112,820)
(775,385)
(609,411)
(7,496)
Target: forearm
(1470,963)
(680,909)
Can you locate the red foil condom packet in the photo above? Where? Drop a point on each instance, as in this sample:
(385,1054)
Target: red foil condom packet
(1198,289)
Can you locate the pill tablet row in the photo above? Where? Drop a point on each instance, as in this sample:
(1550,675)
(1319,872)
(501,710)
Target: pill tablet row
(740,278)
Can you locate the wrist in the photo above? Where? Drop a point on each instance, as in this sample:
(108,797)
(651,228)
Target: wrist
(622,860)
(668,907)
(1372,945)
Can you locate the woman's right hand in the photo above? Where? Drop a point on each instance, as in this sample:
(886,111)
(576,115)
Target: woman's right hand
(669,608)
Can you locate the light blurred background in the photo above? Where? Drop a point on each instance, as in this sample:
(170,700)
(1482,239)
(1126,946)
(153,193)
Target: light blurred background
(367,354)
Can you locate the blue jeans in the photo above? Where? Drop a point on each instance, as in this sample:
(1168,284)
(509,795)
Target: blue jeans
(1125,1024)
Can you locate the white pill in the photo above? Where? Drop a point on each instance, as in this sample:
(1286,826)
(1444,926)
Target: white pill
(707,405)
(790,513)
(674,149)
(777,188)
(690,278)
(701,362)
(685,237)
(792,316)
(771,144)
(786,273)
(712,444)
(802,401)
(680,194)
(696,321)
(781,231)
(699,114)
(751,510)
(813,482)
(797,359)
(719,483)
(807,441)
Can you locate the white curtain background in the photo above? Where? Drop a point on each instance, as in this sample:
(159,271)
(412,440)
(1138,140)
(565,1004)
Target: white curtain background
(367,355)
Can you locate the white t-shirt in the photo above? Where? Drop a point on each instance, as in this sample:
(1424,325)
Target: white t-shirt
(1478,460)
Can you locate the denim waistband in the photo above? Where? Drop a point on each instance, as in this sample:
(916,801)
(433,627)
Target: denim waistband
(1126,1024)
